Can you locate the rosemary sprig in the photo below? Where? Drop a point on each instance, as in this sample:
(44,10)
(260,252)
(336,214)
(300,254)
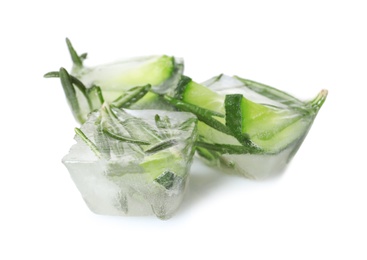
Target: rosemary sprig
(161,146)
(204,115)
(126,139)
(91,145)
(131,96)
(271,92)
(77,59)
(229,149)
(318,101)
(73,81)
(95,97)
(70,93)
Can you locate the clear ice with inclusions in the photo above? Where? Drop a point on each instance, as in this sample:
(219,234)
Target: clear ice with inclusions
(137,162)
(260,166)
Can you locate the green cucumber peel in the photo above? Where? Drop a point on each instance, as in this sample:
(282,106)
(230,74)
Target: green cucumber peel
(180,89)
(234,118)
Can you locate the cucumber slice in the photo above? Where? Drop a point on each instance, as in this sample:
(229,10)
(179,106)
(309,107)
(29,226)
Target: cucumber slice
(161,162)
(202,96)
(268,127)
(271,122)
(115,80)
(121,76)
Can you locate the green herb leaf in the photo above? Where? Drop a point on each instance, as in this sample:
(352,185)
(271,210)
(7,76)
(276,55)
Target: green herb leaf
(229,149)
(131,96)
(166,179)
(87,93)
(95,97)
(126,139)
(272,93)
(77,60)
(70,94)
(92,146)
(234,119)
(318,101)
(204,115)
(162,123)
(161,146)
(180,89)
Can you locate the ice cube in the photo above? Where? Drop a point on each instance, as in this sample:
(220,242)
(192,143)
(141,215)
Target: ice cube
(115,79)
(278,134)
(133,162)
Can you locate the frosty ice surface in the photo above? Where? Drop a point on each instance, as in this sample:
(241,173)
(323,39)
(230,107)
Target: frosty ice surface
(136,162)
(280,123)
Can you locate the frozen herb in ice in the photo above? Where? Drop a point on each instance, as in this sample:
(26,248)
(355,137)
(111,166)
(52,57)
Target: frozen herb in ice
(131,162)
(244,125)
(86,88)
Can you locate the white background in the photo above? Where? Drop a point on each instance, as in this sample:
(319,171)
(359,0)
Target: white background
(315,210)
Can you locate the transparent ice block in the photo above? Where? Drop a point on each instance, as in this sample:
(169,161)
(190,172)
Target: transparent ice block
(147,173)
(269,162)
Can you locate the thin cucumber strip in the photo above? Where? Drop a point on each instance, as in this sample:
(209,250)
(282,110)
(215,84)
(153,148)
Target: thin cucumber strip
(265,125)
(270,127)
(116,78)
(234,117)
(199,95)
(162,72)
(176,73)
(180,89)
